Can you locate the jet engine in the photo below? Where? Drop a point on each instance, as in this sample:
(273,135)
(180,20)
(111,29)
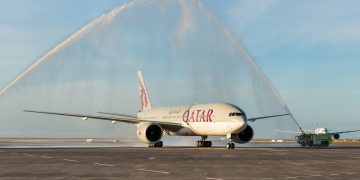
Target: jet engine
(336,136)
(149,133)
(244,136)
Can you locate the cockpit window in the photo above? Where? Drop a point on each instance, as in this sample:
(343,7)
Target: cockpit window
(235,114)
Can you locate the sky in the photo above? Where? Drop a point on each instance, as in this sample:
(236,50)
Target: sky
(308,49)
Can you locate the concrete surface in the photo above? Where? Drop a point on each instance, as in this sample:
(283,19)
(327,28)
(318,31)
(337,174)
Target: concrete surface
(335,162)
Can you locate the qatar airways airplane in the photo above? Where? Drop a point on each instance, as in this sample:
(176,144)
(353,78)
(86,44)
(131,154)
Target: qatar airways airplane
(215,119)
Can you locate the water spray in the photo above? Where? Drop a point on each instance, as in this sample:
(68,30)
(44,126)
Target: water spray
(248,59)
(73,38)
(92,68)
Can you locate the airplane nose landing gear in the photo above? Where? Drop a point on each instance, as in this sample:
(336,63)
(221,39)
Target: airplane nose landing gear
(203,142)
(230,146)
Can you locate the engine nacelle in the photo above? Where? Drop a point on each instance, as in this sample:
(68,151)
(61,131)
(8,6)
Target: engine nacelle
(336,136)
(244,136)
(149,133)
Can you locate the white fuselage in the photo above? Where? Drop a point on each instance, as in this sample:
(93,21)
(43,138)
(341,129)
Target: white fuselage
(216,119)
(321,131)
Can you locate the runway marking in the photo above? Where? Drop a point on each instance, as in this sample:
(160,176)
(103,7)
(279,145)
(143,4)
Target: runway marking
(214,178)
(14,153)
(316,175)
(334,174)
(47,157)
(267,178)
(291,177)
(349,173)
(70,160)
(108,165)
(30,155)
(149,170)
(2,151)
(151,158)
(297,164)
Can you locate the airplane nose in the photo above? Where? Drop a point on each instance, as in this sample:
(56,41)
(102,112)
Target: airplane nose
(238,126)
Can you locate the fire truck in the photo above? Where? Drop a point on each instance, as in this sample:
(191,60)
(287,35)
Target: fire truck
(314,140)
(321,137)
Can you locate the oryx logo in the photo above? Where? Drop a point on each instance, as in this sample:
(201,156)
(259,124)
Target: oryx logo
(143,95)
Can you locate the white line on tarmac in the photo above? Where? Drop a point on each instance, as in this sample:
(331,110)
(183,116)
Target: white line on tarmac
(297,164)
(149,170)
(108,165)
(2,151)
(291,177)
(30,155)
(47,157)
(316,175)
(214,178)
(349,173)
(334,174)
(70,160)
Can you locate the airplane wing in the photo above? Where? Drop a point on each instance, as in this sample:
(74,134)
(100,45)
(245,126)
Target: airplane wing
(342,132)
(124,119)
(116,114)
(264,117)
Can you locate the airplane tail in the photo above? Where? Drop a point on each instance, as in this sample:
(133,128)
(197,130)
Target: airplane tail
(144,97)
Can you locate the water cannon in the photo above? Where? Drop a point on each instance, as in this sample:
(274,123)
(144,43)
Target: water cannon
(302,131)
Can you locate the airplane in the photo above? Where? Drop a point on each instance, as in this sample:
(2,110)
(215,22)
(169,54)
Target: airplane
(321,137)
(213,119)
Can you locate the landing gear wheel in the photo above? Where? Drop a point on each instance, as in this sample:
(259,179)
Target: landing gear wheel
(157,144)
(203,142)
(230,146)
(208,144)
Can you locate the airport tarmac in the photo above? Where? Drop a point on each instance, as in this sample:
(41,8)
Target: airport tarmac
(336,162)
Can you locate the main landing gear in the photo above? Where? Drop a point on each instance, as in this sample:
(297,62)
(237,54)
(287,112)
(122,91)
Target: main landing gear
(157,144)
(230,145)
(203,142)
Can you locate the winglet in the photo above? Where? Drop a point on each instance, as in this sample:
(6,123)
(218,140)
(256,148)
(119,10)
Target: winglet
(144,96)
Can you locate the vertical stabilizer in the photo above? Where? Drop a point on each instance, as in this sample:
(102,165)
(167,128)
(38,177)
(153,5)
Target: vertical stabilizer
(144,96)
